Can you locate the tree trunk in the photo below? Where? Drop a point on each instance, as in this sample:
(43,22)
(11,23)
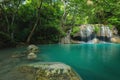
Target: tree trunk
(13,19)
(33,29)
(35,25)
(63,19)
(6,17)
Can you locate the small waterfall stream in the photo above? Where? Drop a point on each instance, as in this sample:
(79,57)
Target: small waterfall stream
(105,33)
(86,32)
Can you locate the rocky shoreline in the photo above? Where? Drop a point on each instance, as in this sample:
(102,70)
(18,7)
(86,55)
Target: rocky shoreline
(23,66)
(49,71)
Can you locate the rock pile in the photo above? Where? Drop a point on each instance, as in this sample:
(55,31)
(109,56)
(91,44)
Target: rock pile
(32,51)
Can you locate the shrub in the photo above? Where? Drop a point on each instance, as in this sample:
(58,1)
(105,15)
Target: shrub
(75,30)
(5,40)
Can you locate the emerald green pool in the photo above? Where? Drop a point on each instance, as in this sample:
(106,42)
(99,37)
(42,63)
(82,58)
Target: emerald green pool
(91,61)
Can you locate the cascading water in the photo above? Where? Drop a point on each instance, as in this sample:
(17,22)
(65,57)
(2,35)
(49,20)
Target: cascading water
(108,32)
(105,33)
(86,32)
(94,33)
(82,35)
(89,32)
(102,33)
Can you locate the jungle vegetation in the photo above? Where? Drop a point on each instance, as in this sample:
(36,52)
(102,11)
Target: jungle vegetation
(46,21)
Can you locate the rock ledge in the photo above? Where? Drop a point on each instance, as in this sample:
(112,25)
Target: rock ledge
(49,71)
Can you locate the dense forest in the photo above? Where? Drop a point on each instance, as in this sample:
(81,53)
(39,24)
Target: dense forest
(46,21)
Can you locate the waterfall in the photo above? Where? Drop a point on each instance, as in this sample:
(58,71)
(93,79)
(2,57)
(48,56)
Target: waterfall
(89,32)
(81,34)
(94,33)
(67,38)
(86,32)
(102,31)
(102,34)
(108,32)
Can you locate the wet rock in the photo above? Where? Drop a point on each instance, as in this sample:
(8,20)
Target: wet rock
(32,49)
(49,71)
(77,42)
(67,38)
(31,56)
(115,40)
(95,40)
(17,54)
(30,53)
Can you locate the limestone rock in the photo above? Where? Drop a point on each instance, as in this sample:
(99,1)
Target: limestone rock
(31,56)
(32,49)
(115,40)
(88,32)
(95,40)
(49,71)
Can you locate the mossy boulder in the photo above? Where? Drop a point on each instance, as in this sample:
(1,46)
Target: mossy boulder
(49,71)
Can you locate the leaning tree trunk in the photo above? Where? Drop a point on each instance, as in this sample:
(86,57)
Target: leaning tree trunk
(63,19)
(35,25)
(33,29)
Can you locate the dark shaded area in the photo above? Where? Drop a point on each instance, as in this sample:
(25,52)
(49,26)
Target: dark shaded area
(5,41)
(86,39)
(104,38)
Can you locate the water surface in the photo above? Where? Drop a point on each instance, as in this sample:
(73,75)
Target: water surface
(91,61)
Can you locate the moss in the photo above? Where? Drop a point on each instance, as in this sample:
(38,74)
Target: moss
(96,29)
(110,26)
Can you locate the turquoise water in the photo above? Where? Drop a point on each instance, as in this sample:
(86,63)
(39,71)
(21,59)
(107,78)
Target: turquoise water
(91,61)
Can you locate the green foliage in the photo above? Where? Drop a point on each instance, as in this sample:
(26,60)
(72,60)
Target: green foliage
(4,37)
(50,34)
(75,30)
(110,26)
(19,17)
(96,29)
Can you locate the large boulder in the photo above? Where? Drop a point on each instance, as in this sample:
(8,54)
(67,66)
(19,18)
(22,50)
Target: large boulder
(49,71)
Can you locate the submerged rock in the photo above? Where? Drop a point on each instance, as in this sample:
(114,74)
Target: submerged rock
(31,56)
(49,71)
(30,53)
